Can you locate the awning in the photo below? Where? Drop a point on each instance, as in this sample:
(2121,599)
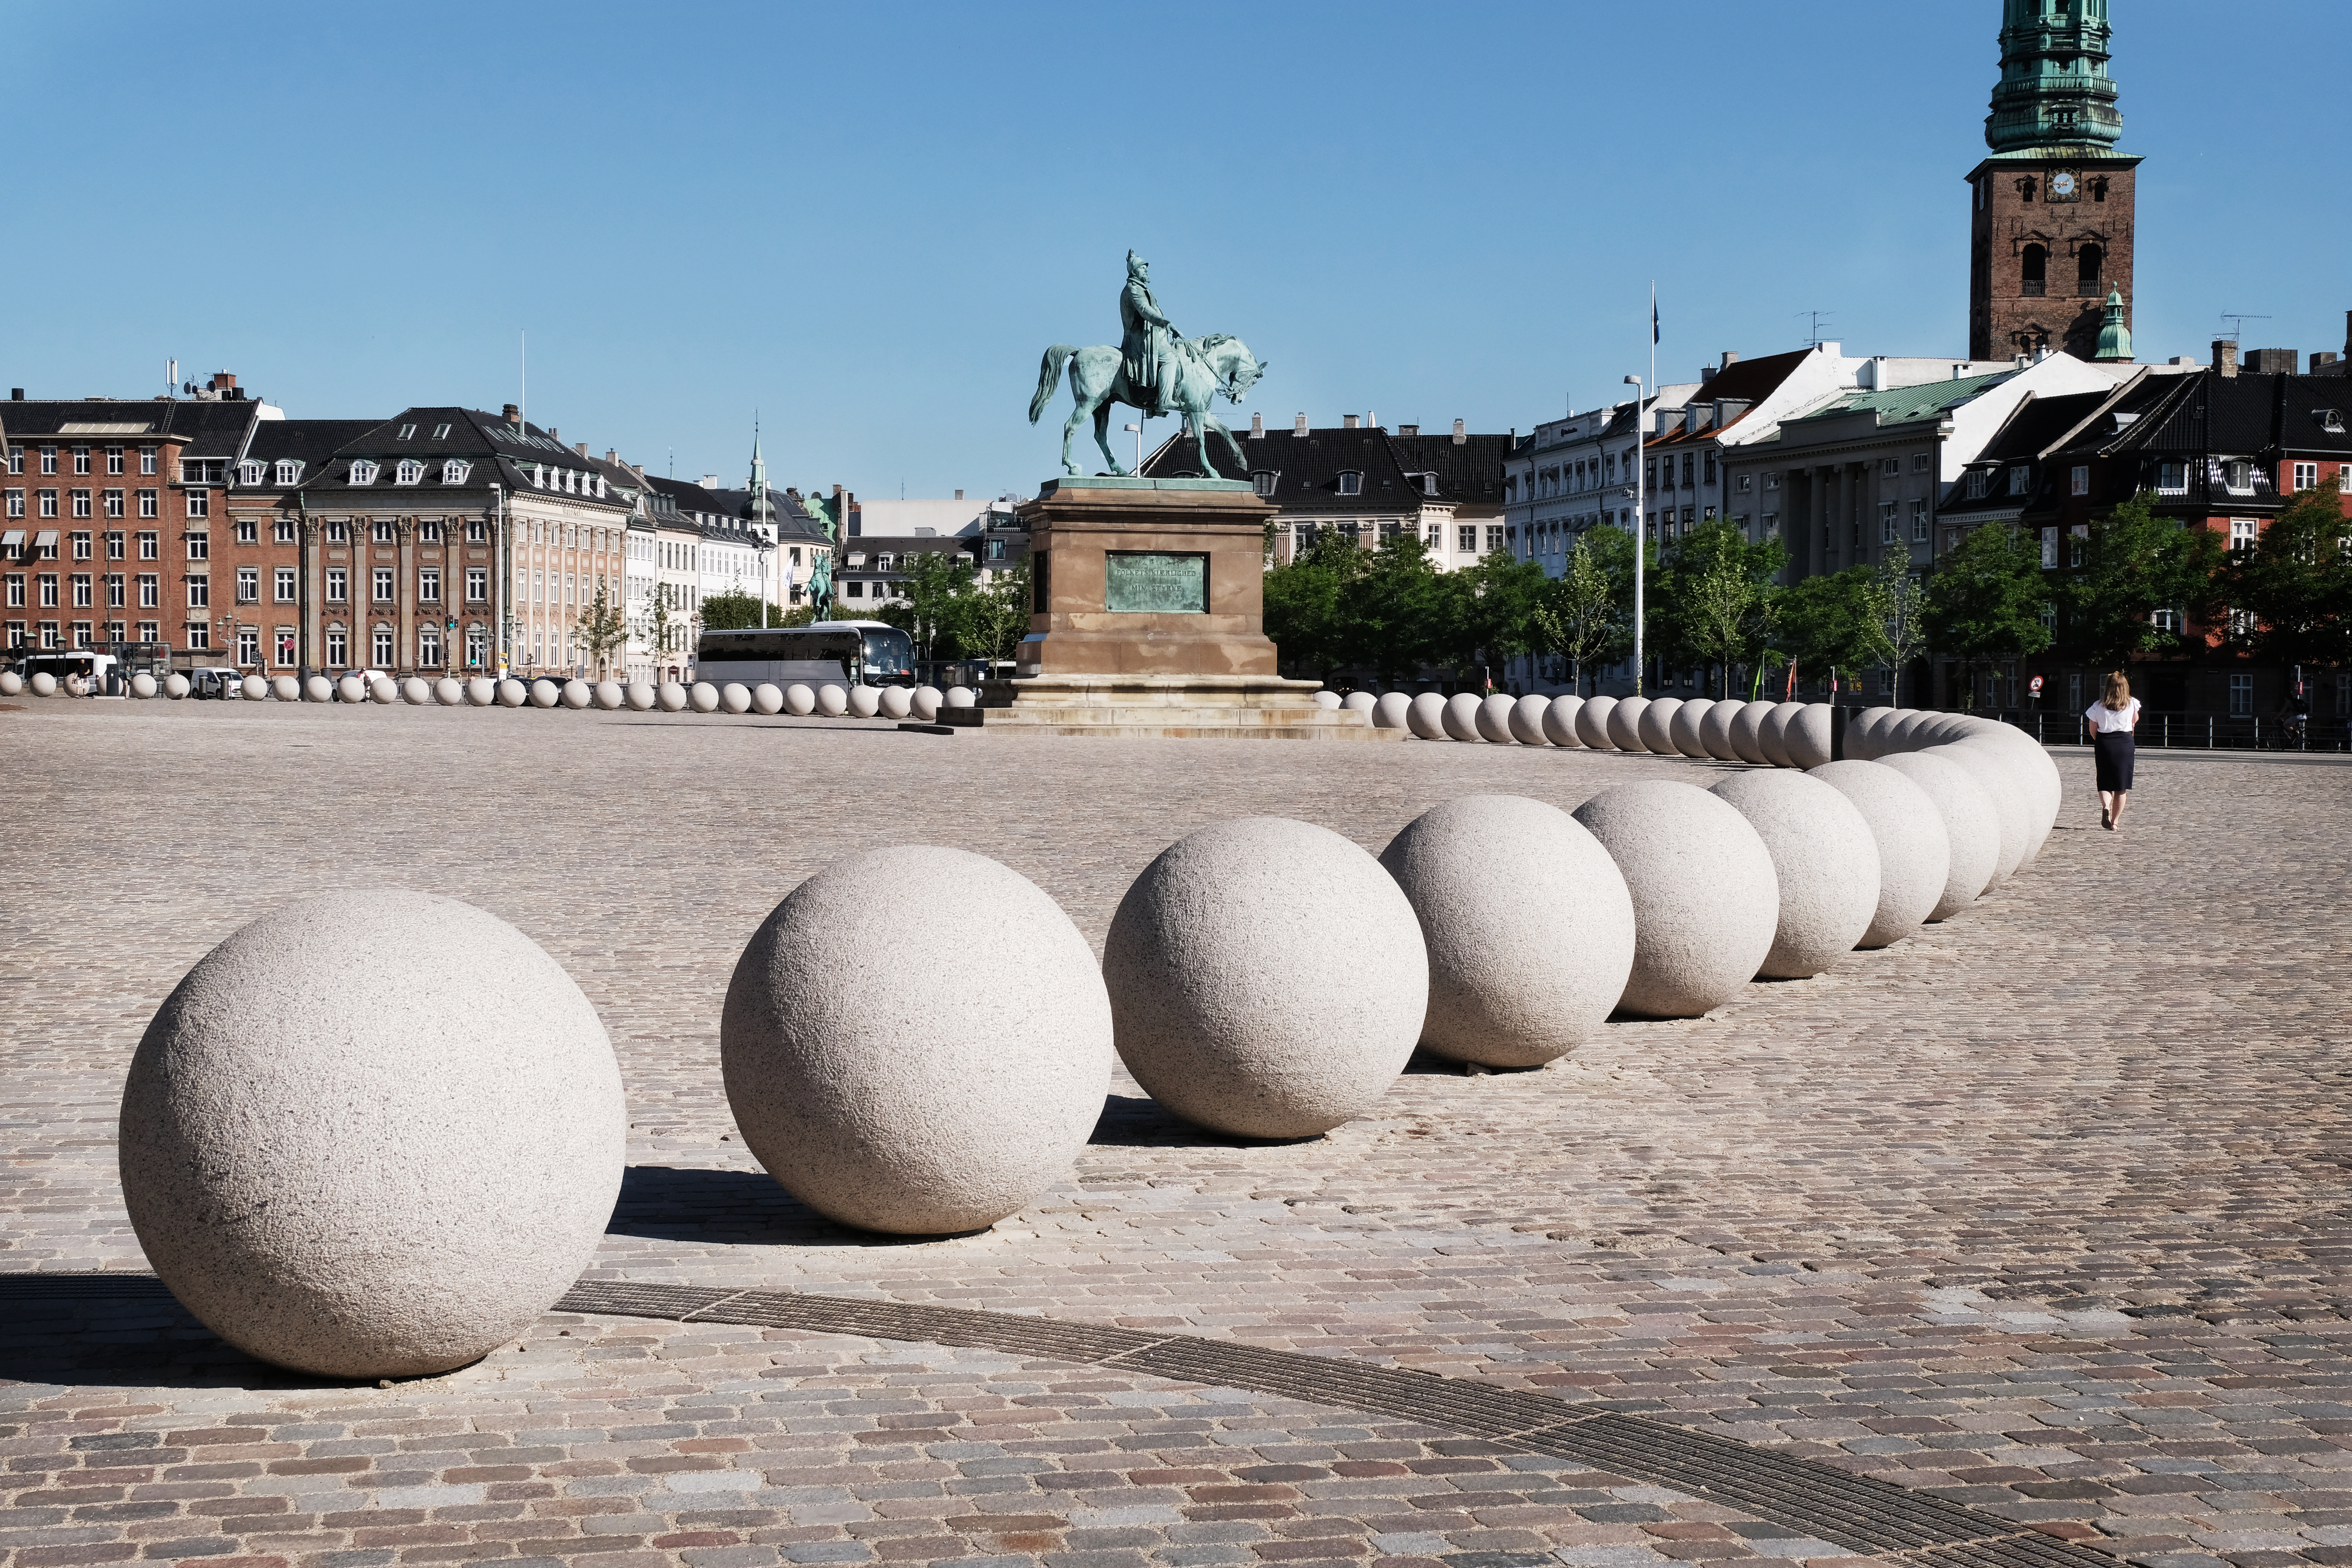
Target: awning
(12,539)
(46,538)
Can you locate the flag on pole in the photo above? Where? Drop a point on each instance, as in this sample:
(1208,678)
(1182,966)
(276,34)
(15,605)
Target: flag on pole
(1653,318)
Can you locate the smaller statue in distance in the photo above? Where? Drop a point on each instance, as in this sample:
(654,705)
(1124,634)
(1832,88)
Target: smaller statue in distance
(1155,370)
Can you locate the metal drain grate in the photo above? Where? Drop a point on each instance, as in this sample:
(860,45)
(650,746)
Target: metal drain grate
(82,1284)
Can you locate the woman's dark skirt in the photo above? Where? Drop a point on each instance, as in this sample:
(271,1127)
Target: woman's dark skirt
(2114,750)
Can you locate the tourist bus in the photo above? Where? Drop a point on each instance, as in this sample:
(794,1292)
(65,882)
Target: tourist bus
(100,673)
(841,652)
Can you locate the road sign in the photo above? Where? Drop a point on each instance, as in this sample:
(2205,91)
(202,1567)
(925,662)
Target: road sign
(2037,685)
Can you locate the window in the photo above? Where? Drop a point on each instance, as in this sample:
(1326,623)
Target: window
(200,546)
(151,546)
(248,584)
(282,531)
(429,584)
(81,546)
(16,459)
(1262,481)
(117,591)
(2306,476)
(338,531)
(1889,529)
(289,472)
(857,589)
(2020,476)
(383,587)
(2241,696)
(1919,522)
(382,531)
(248,645)
(284,584)
(248,531)
(151,590)
(2079,481)
(383,641)
(114,503)
(1919,462)
(338,584)
(409,471)
(2078,539)
(48,459)
(49,591)
(81,459)
(428,645)
(477,585)
(200,503)
(2166,620)
(2034,267)
(2048,548)
(199,635)
(81,503)
(1890,468)
(1466,537)
(15,503)
(82,591)
(428,530)
(407,431)
(2237,475)
(454,470)
(1979,483)
(477,531)
(2243,533)
(362,471)
(250,471)
(285,647)
(147,460)
(200,593)
(440,432)
(147,504)
(114,544)
(338,648)
(1351,484)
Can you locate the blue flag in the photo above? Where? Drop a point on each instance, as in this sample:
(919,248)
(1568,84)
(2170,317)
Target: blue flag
(1654,320)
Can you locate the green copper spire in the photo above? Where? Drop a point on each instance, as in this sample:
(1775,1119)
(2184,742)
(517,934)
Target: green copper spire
(2114,338)
(2054,90)
(763,511)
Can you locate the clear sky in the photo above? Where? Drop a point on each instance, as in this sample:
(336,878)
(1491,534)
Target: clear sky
(868,221)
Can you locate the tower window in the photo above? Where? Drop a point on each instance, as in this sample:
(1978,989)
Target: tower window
(2087,264)
(2036,269)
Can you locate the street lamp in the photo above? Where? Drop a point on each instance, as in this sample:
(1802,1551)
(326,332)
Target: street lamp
(1137,429)
(1640,440)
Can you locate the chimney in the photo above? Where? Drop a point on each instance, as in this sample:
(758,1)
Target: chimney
(1460,440)
(514,415)
(959,495)
(611,455)
(579,446)
(1730,358)
(1257,427)
(1347,421)
(554,434)
(1371,422)
(2272,361)
(2319,357)
(710,481)
(2225,356)
(16,394)
(222,382)
(638,469)
(1301,429)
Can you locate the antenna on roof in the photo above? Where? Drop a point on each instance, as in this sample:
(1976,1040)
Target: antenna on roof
(523,394)
(1818,316)
(2240,318)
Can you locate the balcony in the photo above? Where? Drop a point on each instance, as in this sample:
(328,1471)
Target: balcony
(2033,287)
(2090,289)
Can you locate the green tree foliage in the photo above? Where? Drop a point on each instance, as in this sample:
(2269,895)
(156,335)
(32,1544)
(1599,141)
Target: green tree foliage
(1901,604)
(1586,613)
(668,628)
(1836,622)
(1985,603)
(991,619)
(1392,610)
(602,629)
(734,611)
(2294,589)
(2134,564)
(1303,614)
(1715,599)
(935,581)
(1485,615)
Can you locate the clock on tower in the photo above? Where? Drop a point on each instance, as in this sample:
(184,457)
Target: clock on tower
(2065,186)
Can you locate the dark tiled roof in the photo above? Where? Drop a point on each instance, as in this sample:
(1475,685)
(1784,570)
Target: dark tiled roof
(2037,422)
(1471,473)
(793,526)
(208,429)
(687,496)
(1306,469)
(308,441)
(499,453)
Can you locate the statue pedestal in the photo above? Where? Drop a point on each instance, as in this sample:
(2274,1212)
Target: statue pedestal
(1148,618)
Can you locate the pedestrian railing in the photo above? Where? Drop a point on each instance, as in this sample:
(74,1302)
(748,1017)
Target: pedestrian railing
(2191,731)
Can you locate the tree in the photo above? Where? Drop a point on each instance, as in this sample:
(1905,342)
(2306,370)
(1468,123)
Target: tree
(994,617)
(667,627)
(736,611)
(1392,610)
(2294,589)
(935,580)
(1899,601)
(1714,595)
(1586,613)
(1834,621)
(1985,601)
(2136,563)
(602,629)
(1303,614)
(1497,601)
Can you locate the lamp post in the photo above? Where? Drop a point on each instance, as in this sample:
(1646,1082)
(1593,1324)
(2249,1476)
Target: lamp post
(766,547)
(1137,429)
(1641,537)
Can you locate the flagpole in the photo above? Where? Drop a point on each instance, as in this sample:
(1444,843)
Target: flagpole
(1640,479)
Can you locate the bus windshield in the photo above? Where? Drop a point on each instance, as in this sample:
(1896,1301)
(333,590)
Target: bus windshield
(889,653)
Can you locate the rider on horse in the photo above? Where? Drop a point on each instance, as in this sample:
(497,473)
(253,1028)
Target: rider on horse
(1149,346)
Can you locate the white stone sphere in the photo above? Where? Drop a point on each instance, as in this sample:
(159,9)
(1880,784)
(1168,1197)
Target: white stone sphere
(767,698)
(1560,721)
(799,700)
(703,696)
(1746,732)
(1625,723)
(965,697)
(576,694)
(513,693)
(1824,859)
(1862,733)
(1705,900)
(898,702)
(1328,700)
(144,684)
(1996,777)
(315,688)
(1388,711)
(448,692)
(1715,730)
(1359,702)
(255,688)
(1684,731)
(833,701)
(954,1103)
(1902,733)
(1528,720)
(417,692)
(1267,979)
(545,694)
(481,692)
(670,698)
(175,686)
(350,689)
(1493,719)
(608,696)
(1914,852)
(44,684)
(11,683)
(640,695)
(866,701)
(76,686)
(1593,722)
(2035,775)
(1771,733)
(285,689)
(385,690)
(735,697)
(1971,826)
(1655,726)
(1806,735)
(362,1169)
(1460,716)
(1522,966)
(925,703)
(1425,717)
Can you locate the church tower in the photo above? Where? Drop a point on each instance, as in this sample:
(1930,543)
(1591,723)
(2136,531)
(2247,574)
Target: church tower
(2050,210)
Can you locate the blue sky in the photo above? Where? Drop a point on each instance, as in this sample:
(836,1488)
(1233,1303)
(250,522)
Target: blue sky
(868,221)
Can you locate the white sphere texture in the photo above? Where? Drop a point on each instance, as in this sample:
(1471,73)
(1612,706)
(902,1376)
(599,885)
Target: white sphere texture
(1267,979)
(385,690)
(256,689)
(1971,826)
(350,689)
(362,1169)
(833,701)
(1997,777)
(2035,774)
(448,692)
(545,694)
(1715,730)
(1862,733)
(640,695)
(1806,735)
(703,696)
(965,697)
(315,688)
(925,703)
(1560,722)
(285,689)
(1389,712)
(513,693)
(1328,700)
(865,701)
(1528,720)
(1901,734)
(43,683)
(1771,733)
(1705,900)
(1593,722)
(1625,723)
(1425,717)
(481,692)
(670,697)
(11,683)
(1460,716)
(1494,719)
(799,700)
(1824,859)
(144,684)
(898,702)
(609,695)
(417,692)
(1914,852)
(576,694)
(1746,732)
(1684,733)
(954,1103)
(1524,964)
(175,686)
(735,697)
(1359,702)
(767,698)
(1655,726)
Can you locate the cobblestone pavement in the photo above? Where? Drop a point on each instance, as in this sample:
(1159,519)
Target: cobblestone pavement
(2040,1211)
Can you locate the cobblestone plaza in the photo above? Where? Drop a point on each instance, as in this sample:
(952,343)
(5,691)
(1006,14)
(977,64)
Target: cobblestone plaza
(2041,1212)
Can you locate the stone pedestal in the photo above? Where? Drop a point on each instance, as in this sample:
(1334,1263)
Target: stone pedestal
(1148,618)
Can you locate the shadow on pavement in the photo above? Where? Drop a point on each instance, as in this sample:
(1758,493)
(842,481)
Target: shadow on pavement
(81,1330)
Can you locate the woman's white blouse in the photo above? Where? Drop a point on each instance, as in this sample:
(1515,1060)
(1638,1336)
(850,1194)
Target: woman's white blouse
(2106,721)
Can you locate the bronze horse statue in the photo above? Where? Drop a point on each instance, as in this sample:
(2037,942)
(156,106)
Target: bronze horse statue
(1218,363)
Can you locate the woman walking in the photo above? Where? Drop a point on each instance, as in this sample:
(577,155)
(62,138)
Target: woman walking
(2111,719)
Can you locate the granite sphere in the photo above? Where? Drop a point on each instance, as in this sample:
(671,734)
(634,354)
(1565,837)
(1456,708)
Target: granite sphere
(1772,734)
(1559,721)
(481,692)
(919,1098)
(735,697)
(896,702)
(2035,775)
(285,689)
(965,697)
(545,693)
(1715,730)
(1824,859)
(1862,733)
(670,697)
(1493,719)
(1267,979)
(640,695)
(175,686)
(703,696)
(799,700)
(767,698)
(925,703)
(362,1169)
(513,694)
(1625,723)
(11,683)
(1523,966)
(1900,733)
(610,697)
(1745,729)
(1460,716)
(1327,700)
(1808,734)
(1528,720)
(1915,851)
(1996,775)
(143,685)
(1656,726)
(1388,711)
(1707,902)
(865,701)
(449,692)
(1971,826)
(833,701)
(1425,717)
(1684,731)
(385,690)
(254,689)
(350,689)
(1359,702)
(1593,722)
(43,683)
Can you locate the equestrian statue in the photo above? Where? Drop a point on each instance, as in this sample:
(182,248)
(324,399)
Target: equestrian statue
(1155,370)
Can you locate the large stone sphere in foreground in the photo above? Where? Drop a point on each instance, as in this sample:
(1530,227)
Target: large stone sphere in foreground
(1354,703)
(285,689)
(11,683)
(898,702)
(1863,731)
(1706,898)
(448,693)
(1559,721)
(1593,722)
(1971,826)
(143,685)
(1425,716)
(670,697)
(833,701)
(1824,859)
(361,1168)
(349,689)
(256,689)
(703,696)
(767,698)
(1528,720)
(1914,852)
(1328,700)
(545,693)
(513,694)
(1524,965)
(799,701)
(1267,979)
(610,698)
(481,690)
(175,686)
(1625,723)
(917,1098)
(865,701)
(1388,711)
(735,697)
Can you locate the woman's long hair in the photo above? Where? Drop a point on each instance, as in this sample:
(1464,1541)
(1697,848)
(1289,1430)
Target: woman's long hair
(2118,695)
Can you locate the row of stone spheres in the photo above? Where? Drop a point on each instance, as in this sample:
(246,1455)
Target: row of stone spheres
(920,702)
(367,1171)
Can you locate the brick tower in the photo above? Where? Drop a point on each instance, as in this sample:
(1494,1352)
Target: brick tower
(2050,229)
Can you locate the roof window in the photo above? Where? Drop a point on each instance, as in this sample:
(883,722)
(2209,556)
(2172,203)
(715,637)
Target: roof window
(2330,420)
(362,471)
(454,470)
(1352,483)
(1264,481)
(289,472)
(250,471)
(407,431)
(409,472)
(440,432)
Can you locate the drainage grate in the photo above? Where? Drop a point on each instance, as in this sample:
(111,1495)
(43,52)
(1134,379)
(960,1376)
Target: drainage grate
(82,1284)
